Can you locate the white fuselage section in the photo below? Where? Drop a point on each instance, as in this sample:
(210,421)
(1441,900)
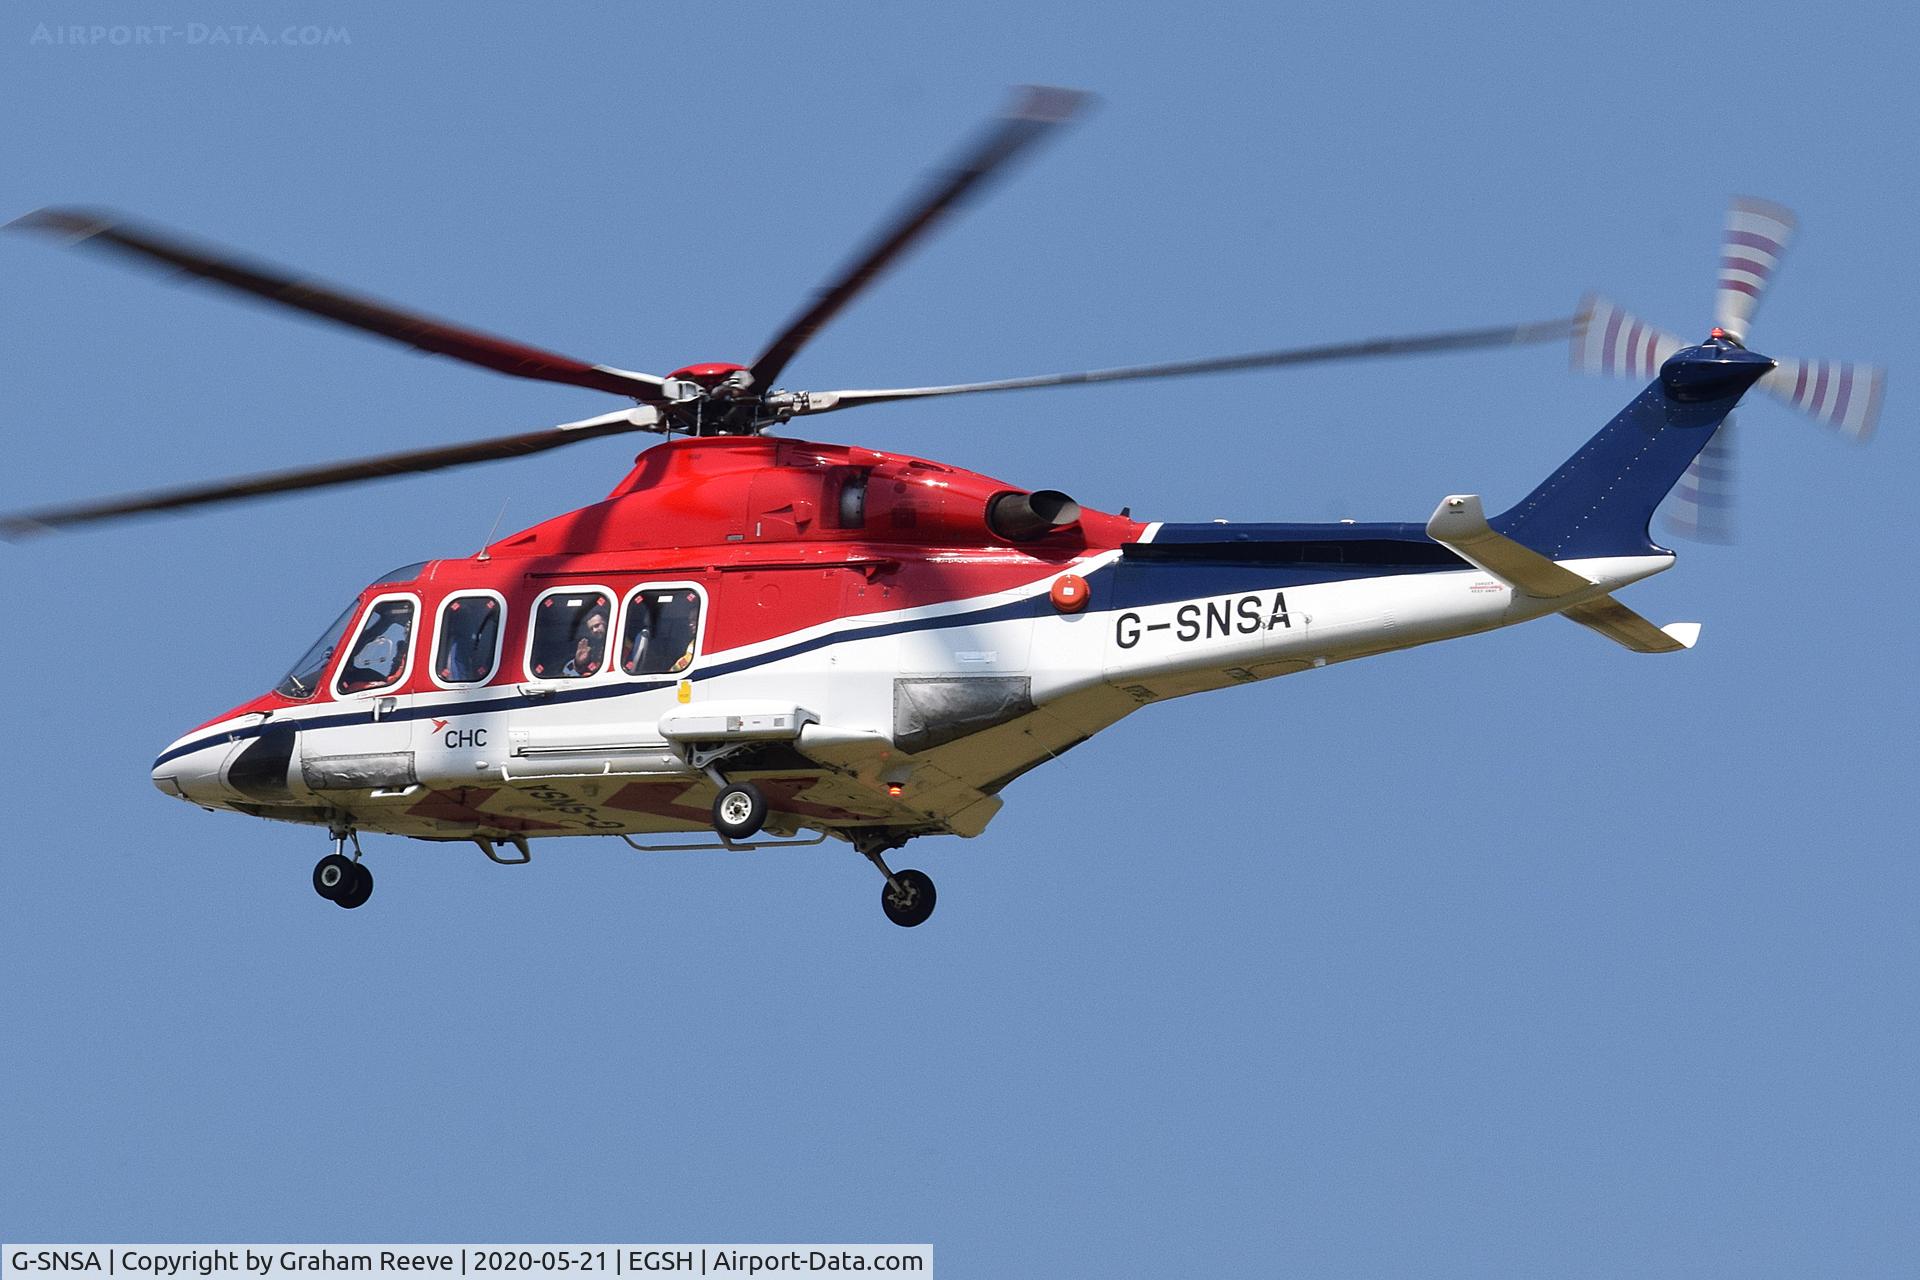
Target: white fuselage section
(590,756)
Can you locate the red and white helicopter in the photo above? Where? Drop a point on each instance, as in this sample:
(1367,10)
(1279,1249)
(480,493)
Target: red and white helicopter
(758,636)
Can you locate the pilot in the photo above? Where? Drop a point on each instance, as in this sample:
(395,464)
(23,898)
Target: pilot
(382,654)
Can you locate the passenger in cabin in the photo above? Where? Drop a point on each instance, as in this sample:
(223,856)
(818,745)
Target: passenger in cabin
(661,630)
(583,663)
(679,620)
(570,636)
(590,648)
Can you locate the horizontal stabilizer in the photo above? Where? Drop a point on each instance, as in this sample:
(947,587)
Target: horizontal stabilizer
(1460,522)
(1623,626)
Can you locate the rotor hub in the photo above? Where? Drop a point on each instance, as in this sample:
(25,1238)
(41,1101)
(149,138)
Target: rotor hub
(715,398)
(710,375)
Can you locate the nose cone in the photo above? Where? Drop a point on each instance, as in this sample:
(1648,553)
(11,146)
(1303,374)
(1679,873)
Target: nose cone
(189,769)
(236,761)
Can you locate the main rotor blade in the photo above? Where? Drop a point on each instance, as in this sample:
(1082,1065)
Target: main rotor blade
(1420,344)
(1032,116)
(25,523)
(105,230)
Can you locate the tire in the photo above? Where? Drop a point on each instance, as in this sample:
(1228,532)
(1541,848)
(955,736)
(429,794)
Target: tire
(332,876)
(739,811)
(915,906)
(358,890)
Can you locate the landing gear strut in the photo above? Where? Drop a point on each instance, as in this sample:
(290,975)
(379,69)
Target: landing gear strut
(341,880)
(907,897)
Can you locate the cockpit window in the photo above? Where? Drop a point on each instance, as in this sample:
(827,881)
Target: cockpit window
(469,639)
(570,633)
(662,625)
(378,657)
(304,678)
(405,573)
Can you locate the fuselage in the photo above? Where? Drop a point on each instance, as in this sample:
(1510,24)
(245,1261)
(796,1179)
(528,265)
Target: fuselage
(842,627)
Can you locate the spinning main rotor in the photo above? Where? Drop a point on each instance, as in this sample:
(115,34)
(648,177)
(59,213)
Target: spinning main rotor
(700,399)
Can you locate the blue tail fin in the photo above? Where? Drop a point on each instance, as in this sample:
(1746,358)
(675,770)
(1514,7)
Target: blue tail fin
(1601,500)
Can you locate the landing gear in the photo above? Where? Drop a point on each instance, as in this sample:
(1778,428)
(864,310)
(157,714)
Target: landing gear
(739,811)
(907,897)
(361,889)
(341,880)
(333,875)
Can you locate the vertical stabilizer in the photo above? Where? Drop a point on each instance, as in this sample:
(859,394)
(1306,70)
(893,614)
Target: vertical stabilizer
(1600,501)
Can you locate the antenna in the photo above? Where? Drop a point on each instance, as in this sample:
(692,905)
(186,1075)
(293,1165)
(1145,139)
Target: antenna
(488,540)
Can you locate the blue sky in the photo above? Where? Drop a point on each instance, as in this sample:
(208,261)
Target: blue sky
(1512,956)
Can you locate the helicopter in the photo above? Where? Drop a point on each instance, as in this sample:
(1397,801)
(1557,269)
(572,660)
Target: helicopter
(761,641)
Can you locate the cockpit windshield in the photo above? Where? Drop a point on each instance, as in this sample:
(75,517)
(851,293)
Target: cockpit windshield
(306,674)
(304,679)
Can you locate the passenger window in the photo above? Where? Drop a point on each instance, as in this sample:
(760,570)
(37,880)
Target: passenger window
(570,635)
(660,630)
(378,657)
(469,640)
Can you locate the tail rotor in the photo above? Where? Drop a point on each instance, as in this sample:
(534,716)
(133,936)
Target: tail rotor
(1757,234)
(1842,395)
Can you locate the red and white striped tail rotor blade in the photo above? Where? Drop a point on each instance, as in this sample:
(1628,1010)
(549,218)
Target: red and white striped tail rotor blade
(1841,394)
(1701,506)
(1608,339)
(1756,237)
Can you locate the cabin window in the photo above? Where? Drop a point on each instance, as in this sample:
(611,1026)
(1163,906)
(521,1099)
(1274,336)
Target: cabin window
(570,632)
(469,646)
(661,631)
(377,659)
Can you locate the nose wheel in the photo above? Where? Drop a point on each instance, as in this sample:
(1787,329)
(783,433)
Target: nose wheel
(341,880)
(907,898)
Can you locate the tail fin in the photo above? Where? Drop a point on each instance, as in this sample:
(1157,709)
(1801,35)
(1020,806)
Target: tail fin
(1600,501)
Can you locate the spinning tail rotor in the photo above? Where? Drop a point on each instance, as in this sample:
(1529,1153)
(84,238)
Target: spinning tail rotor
(1842,395)
(1757,233)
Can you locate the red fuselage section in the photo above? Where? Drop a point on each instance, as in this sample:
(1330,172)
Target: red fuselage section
(782,534)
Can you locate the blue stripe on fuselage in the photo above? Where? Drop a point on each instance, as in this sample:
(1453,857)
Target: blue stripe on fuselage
(594,693)
(1210,560)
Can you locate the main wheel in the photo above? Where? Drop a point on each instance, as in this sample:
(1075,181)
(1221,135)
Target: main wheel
(739,810)
(332,876)
(358,890)
(912,903)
